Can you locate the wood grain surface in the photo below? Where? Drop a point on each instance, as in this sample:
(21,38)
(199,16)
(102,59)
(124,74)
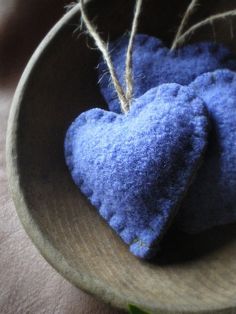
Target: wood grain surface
(194,274)
(28,284)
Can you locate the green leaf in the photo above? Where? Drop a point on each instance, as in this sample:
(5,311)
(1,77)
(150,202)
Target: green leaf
(135,310)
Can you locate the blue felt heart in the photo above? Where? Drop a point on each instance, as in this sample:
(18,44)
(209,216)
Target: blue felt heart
(155,64)
(211,200)
(135,168)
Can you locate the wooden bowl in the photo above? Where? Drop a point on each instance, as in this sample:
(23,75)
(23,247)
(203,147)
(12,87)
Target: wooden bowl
(193,274)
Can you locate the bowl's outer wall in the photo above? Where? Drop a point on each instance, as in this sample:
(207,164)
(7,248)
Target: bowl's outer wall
(199,274)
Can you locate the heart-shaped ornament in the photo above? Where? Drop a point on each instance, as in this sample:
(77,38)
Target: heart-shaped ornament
(155,64)
(135,168)
(211,200)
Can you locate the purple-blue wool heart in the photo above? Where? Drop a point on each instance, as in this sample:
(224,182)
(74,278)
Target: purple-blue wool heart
(155,64)
(211,200)
(135,168)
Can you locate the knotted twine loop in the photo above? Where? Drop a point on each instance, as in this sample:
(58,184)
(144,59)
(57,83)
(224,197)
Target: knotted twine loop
(125,97)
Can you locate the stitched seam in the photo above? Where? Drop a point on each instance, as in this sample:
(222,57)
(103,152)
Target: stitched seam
(140,242)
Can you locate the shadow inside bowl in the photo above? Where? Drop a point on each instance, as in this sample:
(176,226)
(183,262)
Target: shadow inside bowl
(180,247)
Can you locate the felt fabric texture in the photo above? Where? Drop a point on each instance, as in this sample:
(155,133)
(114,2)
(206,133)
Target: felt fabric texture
(155,64)
(211,200)
(135,168)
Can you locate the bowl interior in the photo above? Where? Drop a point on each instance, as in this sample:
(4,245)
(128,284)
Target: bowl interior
(193,273)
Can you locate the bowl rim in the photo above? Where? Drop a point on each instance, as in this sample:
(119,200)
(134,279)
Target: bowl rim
(51,254)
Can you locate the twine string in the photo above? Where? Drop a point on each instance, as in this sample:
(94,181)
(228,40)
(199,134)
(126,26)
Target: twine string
(104,50)
(128,64)
(190,10)
(124,97)
(210,20)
